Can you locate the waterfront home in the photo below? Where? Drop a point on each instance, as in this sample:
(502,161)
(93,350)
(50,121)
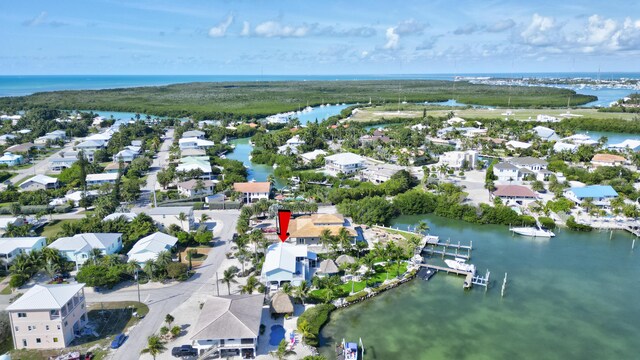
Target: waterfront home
(580,139)
(600,195)
(195,143)
(521,168)
(229,323)
(287,263)
(78,248)
(512,144)
(633,145)
(48,316)
(20,148)
(195,187)
(564,146)
(515,194)
(11,159)
(253,191)
(192,152)
(308,229)
(14,221)
(506,172)
(99,179)
(167,216)
(13,246)
(545,133)
(459,159)
(608,160)
(345,163)
(193,134)
(308,157)
(148,248)
(39,182)
(192,163)
(4,139)
(379,173)
(287,149)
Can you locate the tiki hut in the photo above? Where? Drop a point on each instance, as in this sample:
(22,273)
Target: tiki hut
(345,259)
(281,303)
(328,267)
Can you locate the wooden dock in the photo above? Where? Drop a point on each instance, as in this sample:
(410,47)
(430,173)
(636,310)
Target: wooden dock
(470,278)
(433,246)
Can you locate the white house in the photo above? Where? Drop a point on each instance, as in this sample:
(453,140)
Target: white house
(288,149)
(193,134)
(99,179)
(194,143)
(253,191)
(506,172)
(286,262)
(457,159)
(78,248)
(564,146)
(191,163)
(127,154)
(628,144)
(10,159)
(12,247)
(167,216)
(546,133)
(230,323)
(5,138)
(74,197)
(310,156)
(379,173)
(150,246)
(517,144)
(39,182)
(345,163)
(515,194)
(91,146)
(600,195)
(189,188)
(129,216)
(520,168)
(6,221)
(295,141)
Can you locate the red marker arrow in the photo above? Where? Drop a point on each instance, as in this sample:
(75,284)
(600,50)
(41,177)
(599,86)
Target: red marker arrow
(283,224)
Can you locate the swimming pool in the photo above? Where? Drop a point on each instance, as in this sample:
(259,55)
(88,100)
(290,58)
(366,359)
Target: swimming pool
(276,335)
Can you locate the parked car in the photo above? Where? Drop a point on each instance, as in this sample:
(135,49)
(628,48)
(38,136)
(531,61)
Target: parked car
(118,340)
(184,350)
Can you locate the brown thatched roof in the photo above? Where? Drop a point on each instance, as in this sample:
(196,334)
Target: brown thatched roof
(281,303)
(328,267)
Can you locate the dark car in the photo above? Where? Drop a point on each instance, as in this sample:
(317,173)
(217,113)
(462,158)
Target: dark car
(184,350)
(118,340)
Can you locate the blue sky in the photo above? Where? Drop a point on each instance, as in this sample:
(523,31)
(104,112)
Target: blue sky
(317,37)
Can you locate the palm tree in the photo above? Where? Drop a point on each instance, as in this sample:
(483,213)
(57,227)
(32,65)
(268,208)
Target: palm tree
(182,217)
(256,238)
(52,256)
(164,258)
(228,277)
(51,269)
(132,267)
(305,330)
(326,238)
(204,218)
(95,255)
(154,346)
(282,352)
(148,268)
(422,227)
(287,288)
(344,238)
(242,255)
(250,286)
(302,291)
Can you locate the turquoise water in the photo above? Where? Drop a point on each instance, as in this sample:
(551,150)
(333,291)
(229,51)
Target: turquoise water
(242,151)
(612,138)
(570,297)
(321,113)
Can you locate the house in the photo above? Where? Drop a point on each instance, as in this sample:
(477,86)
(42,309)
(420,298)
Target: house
(20,148)
(229,323)
(311,156)
(12,247)
(308,229)
(99,179)
(127,154)
(193,134)
(608,160)
(114,167)
(295,141)
(561,146)
(546,118)
(78,248)
(51,137)
(287,149)
(167,216)
(287,263)
(90,146)
(515,194)
(192,163)
(367,139)
(194,143)
(65,161)
(529,162)
(129,217)
(633,145)
(48,316)
(528,168)
(39,182)
(345,163)
(74,197)
(600,195)
(546,134)
(11,159)
(148,248)
(253,191)
(517,144)
(460,159)
(190,188)
(506,172)
(379,173)
(4,139)
(6,221)
(192,152)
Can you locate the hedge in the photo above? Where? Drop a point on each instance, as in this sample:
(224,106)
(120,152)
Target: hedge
(316,317)
(547,222)
(573,225)
(34,209)
(356,296)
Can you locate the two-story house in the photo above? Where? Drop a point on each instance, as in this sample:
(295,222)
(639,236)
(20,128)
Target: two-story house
(194,143)
(345,163)
(99,179)
(48,316)
(287,263)
(14,246)
(308,229)
(11,159)
(253,191)
(599,195)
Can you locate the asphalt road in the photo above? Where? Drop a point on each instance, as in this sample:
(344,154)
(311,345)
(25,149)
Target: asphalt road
(162,301)
(157,164)
(40,167)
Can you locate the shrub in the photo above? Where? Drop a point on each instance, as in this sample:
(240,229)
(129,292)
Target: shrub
(176,270)
(198,205)
(17,280)
(573,225)
(356,296)
(547,222)
(315,317)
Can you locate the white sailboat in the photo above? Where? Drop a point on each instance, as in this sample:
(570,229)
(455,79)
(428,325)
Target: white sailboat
(460,264)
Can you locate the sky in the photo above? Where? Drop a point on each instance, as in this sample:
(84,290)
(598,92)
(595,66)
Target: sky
(317,37)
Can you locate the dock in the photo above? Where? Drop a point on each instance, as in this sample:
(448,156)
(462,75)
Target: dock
(470,278)
(433,246)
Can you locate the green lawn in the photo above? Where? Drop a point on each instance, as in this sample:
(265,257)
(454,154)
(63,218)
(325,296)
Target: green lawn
(54,227)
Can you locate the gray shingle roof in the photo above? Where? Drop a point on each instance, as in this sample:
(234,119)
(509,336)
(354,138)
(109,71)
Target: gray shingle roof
(230,317)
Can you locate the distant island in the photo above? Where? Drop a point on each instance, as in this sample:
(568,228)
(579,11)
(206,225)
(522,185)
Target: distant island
(202,100)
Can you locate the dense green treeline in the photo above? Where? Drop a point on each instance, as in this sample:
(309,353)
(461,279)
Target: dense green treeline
(259,99)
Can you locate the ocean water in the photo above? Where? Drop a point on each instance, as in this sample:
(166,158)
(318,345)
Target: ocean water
(15,85)
(570,297)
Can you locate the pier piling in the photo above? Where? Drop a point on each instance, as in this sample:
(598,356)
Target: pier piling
(504,285)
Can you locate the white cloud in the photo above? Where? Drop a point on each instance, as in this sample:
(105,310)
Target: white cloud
(221,29)
(500,26)
(246,29)
(393,39)
(40,19)
(276,29)
(410,26)
(467,29)
(541,31)
(428,43)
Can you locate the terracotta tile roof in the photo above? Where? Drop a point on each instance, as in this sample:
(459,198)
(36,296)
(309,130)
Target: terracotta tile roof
(252,187)
(307,226)
(608,158)
(514,191)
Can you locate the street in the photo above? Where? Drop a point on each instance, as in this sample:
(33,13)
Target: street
(156,165)
(42,166)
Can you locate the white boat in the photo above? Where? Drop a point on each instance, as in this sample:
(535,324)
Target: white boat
(460,264)
(535,231)
(351,351)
